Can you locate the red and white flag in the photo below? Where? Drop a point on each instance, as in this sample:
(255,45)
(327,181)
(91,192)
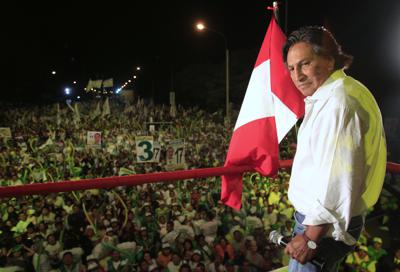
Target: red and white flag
(271,106)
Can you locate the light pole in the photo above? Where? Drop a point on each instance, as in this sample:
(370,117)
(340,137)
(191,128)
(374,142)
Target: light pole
(201,27)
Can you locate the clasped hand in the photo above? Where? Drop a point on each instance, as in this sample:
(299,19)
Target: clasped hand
(297,248)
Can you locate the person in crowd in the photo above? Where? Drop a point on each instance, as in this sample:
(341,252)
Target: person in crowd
(93,264)
(165,256)
(175,263)
(359,260)
(71,260)
(115,263)
(254,258)
(375,251)
(225,250)
(196,259)
(147,257)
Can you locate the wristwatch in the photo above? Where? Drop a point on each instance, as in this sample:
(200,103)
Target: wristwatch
(310,243)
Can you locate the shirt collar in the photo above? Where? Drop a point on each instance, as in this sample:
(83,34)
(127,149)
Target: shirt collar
(325,90)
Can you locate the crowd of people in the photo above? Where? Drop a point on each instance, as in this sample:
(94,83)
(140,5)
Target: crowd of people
(175,226)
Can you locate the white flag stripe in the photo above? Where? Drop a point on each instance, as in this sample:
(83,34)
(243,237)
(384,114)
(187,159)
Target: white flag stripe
(284,118)
(256,103)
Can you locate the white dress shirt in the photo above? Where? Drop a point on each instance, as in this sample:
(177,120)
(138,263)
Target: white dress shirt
(340,162)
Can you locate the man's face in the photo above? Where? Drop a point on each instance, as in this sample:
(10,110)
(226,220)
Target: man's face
(308,70)
(115,256)
(237,235)
(51,240)
(68,259)
(176,259)
(377,245)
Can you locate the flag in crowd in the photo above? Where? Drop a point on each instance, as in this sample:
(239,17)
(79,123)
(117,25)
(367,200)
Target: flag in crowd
(106,108)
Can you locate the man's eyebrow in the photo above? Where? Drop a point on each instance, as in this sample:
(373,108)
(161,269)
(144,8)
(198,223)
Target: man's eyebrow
(299,62)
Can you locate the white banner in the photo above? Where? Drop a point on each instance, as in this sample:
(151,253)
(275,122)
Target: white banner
(93,138)
(97,83)
(156,152)
(176,154)
(108,83)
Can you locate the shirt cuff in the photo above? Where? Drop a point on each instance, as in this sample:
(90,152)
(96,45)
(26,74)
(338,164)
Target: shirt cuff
(320,215)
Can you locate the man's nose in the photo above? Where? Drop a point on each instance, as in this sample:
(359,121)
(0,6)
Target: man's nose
(299,76)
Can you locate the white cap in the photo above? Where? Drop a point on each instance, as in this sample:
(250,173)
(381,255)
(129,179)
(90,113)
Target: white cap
(153,266)
(92,265)
(109,229)
(166,245)
(250,237)
(196,251)
(91,257)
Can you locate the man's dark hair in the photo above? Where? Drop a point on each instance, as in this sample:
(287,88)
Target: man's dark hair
(322,42)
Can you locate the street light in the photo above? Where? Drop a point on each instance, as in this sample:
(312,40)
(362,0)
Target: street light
(200,27)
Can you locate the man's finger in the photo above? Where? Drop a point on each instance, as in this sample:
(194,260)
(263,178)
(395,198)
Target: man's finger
(289,249)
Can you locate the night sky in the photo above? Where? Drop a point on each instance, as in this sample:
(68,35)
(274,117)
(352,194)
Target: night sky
(102,40)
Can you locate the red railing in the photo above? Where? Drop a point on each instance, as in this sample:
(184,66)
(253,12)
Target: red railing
(132,180)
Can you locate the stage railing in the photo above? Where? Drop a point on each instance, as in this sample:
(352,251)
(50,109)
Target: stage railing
(138,179)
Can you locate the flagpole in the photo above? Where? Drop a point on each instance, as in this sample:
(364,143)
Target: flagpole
(275,8)
(286,15)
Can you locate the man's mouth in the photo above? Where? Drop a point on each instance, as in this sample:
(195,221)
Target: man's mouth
(302,85)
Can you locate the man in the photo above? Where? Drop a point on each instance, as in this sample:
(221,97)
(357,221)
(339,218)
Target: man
(175,263)
(210,227)
(340,162)
(360,260)
(375,250)
(71,260)
(116,263)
